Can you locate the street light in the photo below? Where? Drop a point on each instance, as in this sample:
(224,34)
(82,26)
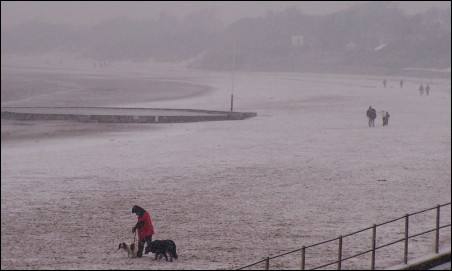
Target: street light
(233,71)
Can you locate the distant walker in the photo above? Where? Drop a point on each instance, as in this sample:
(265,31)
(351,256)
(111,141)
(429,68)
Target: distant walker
(372,115)
(386,119)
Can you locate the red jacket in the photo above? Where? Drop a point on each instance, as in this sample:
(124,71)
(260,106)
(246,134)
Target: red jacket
(147,228)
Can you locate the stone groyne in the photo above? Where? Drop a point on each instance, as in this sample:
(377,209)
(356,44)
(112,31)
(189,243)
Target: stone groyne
(120,115)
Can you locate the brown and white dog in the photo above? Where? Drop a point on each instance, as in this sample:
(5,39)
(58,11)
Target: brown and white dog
(131,249)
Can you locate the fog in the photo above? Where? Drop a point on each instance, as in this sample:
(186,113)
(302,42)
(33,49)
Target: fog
(370,37)
(80,13)
(306,169)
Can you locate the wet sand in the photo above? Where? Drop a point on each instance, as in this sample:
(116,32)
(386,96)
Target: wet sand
(40,88)
(15,130)
(49,88)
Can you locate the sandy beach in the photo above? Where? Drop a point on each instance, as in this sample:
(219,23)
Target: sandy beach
(305,170)
(31,87)
(41,87)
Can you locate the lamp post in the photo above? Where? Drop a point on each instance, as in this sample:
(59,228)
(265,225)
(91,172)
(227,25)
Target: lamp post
(233,71)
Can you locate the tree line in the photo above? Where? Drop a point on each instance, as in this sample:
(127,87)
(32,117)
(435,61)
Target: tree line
(372,35)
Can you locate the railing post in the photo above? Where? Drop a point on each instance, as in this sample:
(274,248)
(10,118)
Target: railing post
(303,257)
(405,252)
(437,230)
(267,263)
(374,242)
(339,254)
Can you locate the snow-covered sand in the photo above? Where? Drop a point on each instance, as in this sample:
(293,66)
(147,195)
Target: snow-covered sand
(229,193)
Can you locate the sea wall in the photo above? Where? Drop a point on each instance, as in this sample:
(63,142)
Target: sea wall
(178,117)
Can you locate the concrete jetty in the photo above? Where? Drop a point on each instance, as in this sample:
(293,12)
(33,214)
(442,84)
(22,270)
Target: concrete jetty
(120,115)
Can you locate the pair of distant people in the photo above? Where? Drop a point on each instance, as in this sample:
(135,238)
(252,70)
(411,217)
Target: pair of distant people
(421,89)
(372,115)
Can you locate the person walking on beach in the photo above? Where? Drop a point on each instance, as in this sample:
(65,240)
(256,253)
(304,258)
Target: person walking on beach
(427,89)
(372,115)
(384,83)
(144,227)
(421,89)
(386,119)
(401,83)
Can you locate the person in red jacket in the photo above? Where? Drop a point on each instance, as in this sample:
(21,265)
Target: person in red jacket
(145,228)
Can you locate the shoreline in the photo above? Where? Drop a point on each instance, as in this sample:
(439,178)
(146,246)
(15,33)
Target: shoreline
(63,88)
(41,88)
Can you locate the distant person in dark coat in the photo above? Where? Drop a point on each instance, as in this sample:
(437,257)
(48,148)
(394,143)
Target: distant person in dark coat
(427,89)
(372,115)
(421,89)
(386,119)
(384,83)
(401,83)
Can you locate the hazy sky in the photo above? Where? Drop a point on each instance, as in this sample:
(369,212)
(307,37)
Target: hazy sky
(91,12)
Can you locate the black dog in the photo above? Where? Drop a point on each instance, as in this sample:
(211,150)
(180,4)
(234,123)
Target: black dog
(161,247)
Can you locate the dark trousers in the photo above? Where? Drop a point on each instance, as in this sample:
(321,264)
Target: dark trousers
(146,240)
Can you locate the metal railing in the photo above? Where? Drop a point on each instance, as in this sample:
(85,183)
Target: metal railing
(374,247)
